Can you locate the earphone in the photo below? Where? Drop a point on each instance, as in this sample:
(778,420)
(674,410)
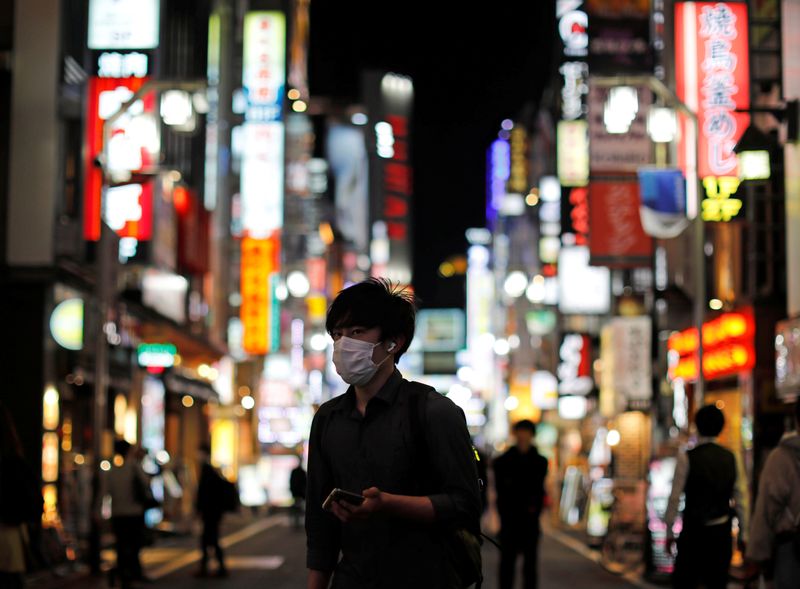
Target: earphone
(391,346)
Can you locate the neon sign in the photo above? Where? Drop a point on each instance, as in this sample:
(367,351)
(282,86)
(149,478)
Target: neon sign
(719,204)
(713,79)
(728,347)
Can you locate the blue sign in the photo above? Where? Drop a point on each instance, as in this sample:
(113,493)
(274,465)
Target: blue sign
(663,201)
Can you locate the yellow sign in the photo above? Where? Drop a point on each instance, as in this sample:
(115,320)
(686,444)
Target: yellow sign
(258,261)
(719,204)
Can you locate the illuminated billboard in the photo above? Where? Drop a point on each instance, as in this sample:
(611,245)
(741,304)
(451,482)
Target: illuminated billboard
(258,268)
(728,347)
(263,80)
(713,79)
(123,24)
(132,146)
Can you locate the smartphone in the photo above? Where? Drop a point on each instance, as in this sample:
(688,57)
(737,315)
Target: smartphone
(342,495)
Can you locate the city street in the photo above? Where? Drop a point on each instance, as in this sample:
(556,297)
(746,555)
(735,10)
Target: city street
(267,553)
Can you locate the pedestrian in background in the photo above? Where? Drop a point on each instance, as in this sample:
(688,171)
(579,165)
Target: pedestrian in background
(775,527)
(126,484)
(298,481)
(210,506)
(400,445)
(21,505)
(707,477)
(519,475)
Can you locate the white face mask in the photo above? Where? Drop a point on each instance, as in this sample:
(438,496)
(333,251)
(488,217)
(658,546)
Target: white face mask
(353,360)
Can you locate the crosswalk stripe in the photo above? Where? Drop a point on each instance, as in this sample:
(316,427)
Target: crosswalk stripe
(193,556)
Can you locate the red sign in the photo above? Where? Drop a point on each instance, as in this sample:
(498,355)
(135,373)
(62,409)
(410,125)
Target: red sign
(728,347)
(616,237)
(193,230)
(713,79)
(104,97)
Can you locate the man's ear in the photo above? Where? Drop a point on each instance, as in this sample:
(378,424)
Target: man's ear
(396,344)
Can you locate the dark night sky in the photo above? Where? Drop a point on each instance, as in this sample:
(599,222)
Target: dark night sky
(471,68)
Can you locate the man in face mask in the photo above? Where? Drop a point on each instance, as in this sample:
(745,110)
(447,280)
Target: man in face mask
(400,445)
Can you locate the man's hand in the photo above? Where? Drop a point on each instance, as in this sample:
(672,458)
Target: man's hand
(669,547)
(318,579)
(373,503)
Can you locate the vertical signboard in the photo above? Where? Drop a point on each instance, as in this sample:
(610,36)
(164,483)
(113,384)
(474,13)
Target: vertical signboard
(389,98)
(262,175)
(346,152)
(263,80)
(258,268)
(713,79)
(619,38)
(126,150)
(617,238)
(790,16)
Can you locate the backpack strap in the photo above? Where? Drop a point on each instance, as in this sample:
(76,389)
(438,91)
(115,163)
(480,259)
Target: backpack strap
(416,398)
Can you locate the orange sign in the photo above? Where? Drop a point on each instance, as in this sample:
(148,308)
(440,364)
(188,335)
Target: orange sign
(728,347)
(259,261)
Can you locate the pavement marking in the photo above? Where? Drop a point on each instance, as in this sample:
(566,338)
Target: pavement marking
(592,555)
(194,555)
(265,563)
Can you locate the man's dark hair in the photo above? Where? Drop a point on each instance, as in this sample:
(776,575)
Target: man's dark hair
(376,302)
(121,447)
(709,421)
(526,424)
(205,447)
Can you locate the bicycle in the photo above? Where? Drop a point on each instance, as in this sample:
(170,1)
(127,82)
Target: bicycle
(622,548)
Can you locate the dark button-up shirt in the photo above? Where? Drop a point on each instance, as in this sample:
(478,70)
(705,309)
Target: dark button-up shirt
(355,452)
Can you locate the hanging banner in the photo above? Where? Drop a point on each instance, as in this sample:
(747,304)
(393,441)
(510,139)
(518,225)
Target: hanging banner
(616,238)
(619,37)
(662,207)
(713,78)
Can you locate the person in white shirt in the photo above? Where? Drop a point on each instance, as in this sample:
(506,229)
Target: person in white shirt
(711,481)
(125,484)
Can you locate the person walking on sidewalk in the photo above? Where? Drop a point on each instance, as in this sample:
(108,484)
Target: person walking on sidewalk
(21,505)
(519,475)
(708,477)
(298,480)
(210,506)
(126,483)
(775,527)
(400,445)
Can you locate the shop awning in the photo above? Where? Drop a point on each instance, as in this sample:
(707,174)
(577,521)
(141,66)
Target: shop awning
(182,385)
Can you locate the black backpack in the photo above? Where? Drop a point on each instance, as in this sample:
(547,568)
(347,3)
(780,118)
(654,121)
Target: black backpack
(462,544)
(229,495)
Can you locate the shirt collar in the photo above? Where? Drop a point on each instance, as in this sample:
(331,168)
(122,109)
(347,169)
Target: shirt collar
(705,440)
(387,393)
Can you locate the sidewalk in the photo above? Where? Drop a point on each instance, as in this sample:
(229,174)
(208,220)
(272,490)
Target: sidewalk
(167,554)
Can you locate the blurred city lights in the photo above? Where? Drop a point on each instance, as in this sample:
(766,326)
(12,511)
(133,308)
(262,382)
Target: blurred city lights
(293,94)
(281,292)
(507,125)
(511,403)
(662,124)
(105,465)
(532,199)
(501,347)
(187,401)
(613,438)
(359,119)
(465,373)
(298,284)
(715,304)
(248,402)
(536,290)
(515,284)
(162,457)
(620,109)
(319,342)
(299,106)
(513,341)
